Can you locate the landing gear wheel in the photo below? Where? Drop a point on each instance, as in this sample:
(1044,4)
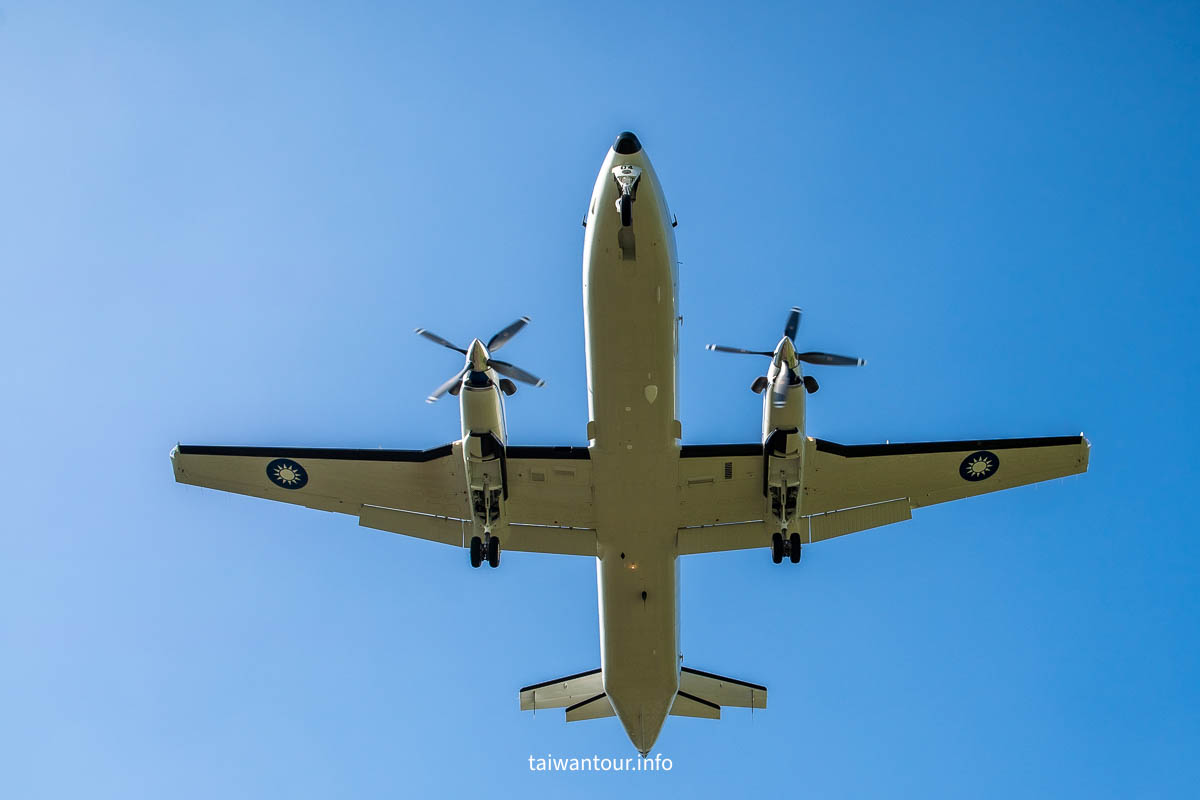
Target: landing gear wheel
(794,548)
(625,203)
(476,551)
(493,552)
(777,547)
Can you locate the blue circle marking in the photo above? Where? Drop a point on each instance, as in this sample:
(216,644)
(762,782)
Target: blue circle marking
(287,474)
(979,466)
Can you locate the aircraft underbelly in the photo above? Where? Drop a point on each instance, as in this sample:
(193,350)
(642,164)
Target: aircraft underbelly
(630,316)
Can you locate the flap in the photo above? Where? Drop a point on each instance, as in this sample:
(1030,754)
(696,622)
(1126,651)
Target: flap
(850,520)
(719,538)
(446,530)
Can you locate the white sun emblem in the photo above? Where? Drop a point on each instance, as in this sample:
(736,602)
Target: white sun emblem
(287,473)
(980,466)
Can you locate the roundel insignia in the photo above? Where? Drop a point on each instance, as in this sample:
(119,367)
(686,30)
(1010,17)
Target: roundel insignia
(979,466)
(287,473)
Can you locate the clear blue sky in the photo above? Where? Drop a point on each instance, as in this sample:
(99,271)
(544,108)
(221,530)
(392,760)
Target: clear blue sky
(220,224)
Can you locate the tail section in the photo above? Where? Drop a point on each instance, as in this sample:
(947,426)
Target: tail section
(701,694)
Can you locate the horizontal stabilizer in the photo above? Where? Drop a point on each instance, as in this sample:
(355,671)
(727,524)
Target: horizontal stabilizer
(701,694)
(563,692)
(687,705)
(720,691)
(592,708)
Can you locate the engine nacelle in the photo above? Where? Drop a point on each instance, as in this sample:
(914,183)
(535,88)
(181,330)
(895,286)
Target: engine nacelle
(483,444)
(487,478)
(783,466)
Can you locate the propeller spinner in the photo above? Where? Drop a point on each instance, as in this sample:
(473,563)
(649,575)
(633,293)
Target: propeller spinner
(479,359)
(786,360)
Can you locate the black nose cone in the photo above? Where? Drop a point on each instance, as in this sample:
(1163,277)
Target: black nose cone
(627,144)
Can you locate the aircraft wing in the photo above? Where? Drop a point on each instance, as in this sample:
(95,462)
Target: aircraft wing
(849,488)
(419,493)
(720,484)
(839,476)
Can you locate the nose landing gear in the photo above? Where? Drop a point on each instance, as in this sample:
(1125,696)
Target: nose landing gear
(626,176)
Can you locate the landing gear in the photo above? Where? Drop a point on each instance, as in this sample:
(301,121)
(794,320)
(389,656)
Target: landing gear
(625,203)
(486,502)
(789,547)
(489,550)
(783,502)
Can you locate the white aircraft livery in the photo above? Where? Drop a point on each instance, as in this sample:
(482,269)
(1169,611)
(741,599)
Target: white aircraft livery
(634,499)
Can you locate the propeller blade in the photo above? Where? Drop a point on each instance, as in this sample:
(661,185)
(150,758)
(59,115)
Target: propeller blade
(793,322)
(515,372)
(433,337)
(497,341)
(447,386)
(720,348)
(779,391)
(830,360)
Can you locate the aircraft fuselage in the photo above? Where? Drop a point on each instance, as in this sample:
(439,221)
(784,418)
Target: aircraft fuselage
(631,328)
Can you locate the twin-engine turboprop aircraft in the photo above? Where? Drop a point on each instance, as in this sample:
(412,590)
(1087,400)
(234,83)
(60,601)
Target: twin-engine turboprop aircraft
(634,499)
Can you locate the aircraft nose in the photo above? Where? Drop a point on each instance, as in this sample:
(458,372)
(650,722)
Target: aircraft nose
(627,144)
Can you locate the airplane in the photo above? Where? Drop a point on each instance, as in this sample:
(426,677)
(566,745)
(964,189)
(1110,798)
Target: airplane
(635,499)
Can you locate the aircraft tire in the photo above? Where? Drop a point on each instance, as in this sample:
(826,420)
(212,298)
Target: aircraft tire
(476,551)
(794,548)
(493,552)
(626,210)
(777,547)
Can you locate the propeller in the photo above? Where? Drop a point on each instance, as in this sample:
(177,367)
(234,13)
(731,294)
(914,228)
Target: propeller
(479,359)
(787,359)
